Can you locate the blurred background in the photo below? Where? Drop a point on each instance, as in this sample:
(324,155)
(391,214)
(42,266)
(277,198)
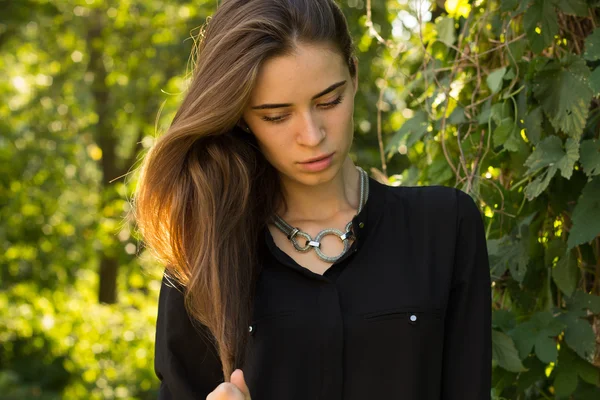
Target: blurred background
(497,98)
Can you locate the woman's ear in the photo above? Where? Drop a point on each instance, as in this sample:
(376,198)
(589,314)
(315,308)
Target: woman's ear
(243,125)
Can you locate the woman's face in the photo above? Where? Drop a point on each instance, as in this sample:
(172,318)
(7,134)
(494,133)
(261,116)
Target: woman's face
(301,108)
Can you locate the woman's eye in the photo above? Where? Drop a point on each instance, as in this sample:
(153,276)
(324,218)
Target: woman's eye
(273,119)
(333,103)
(325,106)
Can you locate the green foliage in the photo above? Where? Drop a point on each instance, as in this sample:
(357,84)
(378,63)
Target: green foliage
(505,107)
(84,83)
(62,344)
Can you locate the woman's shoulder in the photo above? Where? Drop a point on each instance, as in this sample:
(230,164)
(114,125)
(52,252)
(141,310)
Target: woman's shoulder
(425,195)
(442,201)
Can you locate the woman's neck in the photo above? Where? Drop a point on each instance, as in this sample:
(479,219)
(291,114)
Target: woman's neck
(323,202)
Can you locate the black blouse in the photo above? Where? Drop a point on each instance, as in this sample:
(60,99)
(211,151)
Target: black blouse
(405,314)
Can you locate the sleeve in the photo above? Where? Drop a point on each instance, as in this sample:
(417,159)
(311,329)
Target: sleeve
(467,355)
(185,360)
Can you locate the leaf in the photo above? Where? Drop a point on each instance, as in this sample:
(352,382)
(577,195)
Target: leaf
(494,79)
(555,249)
(581,302)
(457,116)
(579,335)
(590,157)
(497,256)
(569,360)
(565,274)
(573,7)
(547,153)
(501,111)
(528,378)
(595,82)
(541,24)
(565,382)
(592,46)
(563,90)
(439,171)
(539,332)
(446,30)
(510,253)
(588,373)
(504,351)
(503,319)
(515,51)
(586,215)
(533,125)
(510,75)
(540,183)
(524,336)
(548,328)
(416,126)
(545,349)
(506,134)
(567,163)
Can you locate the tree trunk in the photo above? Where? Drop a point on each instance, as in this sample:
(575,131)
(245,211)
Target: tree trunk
(107,292)
(106,141)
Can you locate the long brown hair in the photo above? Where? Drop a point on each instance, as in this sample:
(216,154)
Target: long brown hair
(205,192)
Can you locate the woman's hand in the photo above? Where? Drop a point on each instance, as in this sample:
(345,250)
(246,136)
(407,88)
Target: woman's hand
(234,390)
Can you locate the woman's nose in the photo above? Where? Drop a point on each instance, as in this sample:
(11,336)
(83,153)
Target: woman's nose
(310,131)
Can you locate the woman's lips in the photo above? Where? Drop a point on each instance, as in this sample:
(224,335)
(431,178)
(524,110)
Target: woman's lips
(318,165)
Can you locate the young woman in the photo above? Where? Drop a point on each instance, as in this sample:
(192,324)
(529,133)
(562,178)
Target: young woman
(285,262)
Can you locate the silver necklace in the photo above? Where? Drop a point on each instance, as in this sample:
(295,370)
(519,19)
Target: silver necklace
(293,233)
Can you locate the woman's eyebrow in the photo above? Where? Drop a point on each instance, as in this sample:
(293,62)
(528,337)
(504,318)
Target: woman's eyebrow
(316,96)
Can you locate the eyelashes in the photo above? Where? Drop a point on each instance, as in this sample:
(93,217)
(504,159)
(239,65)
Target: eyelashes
(324,106)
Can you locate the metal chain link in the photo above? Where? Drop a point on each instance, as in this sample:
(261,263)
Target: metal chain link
(293,233)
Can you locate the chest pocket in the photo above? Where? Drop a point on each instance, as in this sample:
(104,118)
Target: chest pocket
(408,333)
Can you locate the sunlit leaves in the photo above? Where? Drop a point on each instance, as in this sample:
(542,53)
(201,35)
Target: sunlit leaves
(458,8)
(410,132)
(494,79)
(446,30)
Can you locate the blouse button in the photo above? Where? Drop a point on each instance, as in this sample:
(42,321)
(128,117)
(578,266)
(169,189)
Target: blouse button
(413,318)
(250,329)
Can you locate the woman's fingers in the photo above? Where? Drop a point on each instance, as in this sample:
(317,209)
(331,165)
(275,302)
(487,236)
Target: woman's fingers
(237,378)
(234,390)
(226,391)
